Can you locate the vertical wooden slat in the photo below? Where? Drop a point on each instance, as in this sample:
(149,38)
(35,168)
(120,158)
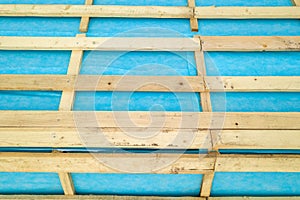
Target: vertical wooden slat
(193,20)
(66,104)
(67,183)
(206,107)
(84,23)
(207,184)
(296,2)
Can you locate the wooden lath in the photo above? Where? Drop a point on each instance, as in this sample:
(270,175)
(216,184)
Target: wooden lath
(296,2)
(206,106)
(209,43)
(164,138)
(101,197)
(204,12)
(193,20)
(108,197)
(200,120)
(66,104)
(191,164)
(93,163)
(151,83)
(84,22)
(115,137)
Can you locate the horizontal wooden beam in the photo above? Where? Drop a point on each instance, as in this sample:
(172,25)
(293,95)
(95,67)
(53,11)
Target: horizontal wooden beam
(137,119)
(102,83)
(255,198)
(151,83)
(208,43)
(205,12)
(108,197)
(105,138)
(149,138)
(252,83)
(250,43)
(171,163)
(256,139)
(93,197)
(105,163)
(95,11)
(99,44)
(258,163)
(236,12)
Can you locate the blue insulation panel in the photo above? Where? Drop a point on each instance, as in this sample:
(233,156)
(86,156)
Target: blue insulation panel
(155,64)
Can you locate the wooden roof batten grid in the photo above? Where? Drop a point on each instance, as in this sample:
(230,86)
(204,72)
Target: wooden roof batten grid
(243,125)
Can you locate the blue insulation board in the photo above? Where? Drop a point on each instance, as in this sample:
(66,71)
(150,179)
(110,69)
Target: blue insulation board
(156,64)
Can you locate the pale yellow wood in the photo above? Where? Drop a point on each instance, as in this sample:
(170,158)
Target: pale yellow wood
(253,83)
(93,197)
(296,2)
(96,11)
(67,183)
(87,163)
(232,12)
(105,163)
(258,163)
(84,23)
(193,20)
(202,120)
(209,43)
(257,139)
(67,100)
(106,197)
(99,44)
(36,82)
(151,83)
(67,97)
(113,137)
(250,43)
(66,104)
(150,11)
(205,102)
(254,198)
(207,184)
(101,83)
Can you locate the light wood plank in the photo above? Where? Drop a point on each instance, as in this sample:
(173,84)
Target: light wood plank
(250,43)
(209,12)
(253,83)
(151,83)
(254,198)
(232,12)
(102,83)
(105,163)
(96,11)
(104,138)
(207,184)
(193,20)
(84,22)
(135,119)
(209,43)
(66,104)
(93,197)
(257,139)
(206,106)
(296,2)
(67,183)
(108,197)
(87,163)
(258,163)
(99,44)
